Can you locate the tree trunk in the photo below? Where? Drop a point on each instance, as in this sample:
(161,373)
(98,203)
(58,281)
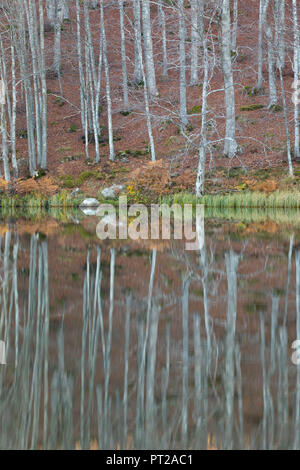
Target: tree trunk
(148,48)
(296,80)
(123,54)
(230,147)
(182,73)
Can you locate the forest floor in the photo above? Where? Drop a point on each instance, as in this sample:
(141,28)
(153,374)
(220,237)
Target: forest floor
(261,166)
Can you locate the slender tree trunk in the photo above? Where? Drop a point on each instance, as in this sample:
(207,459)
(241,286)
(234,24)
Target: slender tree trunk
(280,31)
(230,147)
(162,22)
(234,26)
(13,114)
(182,72)
(200,179)
(123,54)
(83,91)
(66,10)
(146,99)
(263,6)
(59,12)
(296,80)
(43,96)
(194,41)
(271,67)
(137,75)
(148,48)
(286,126)
(4,133)
(50,7)
(107,79)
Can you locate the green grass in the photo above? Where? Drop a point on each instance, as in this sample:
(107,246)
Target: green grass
(237,200)
(252,107)
(70,181)
(62,199)
(245,199)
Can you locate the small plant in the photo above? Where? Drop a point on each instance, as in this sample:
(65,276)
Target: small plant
(252,107)
(195,109)
(63,149)
(22,134)
(72,128)
(125,112)
(59,101)
(253,91)
(275,108)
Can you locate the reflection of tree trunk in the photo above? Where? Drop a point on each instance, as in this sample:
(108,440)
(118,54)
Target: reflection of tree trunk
(297,394)
(283,390)
(288,278)
(16,297)
(274,326)
(126,368)
(150,379)
(204,266)
(109,335)
(268,414)
(185,359)
(231,260)
(239,394)
(165,383)
(142,349)
(201,381)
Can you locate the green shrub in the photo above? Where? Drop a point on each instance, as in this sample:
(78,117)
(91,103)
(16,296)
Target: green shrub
(252,107)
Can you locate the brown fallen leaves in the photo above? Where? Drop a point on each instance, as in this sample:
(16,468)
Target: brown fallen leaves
(45,186)
(267,186)
(151,178)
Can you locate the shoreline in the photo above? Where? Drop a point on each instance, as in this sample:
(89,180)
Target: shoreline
(234,200)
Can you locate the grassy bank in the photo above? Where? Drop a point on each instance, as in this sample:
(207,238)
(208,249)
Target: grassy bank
(235,200)
(62,199)
(240,200)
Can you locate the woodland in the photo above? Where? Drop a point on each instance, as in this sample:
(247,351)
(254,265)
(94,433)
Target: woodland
(178,99)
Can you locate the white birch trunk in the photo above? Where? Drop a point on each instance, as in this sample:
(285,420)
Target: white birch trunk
(162,22)
(263,6)
(280,31)
(234,26)
(200,179)
(123,54)
(271,68)
(194,42)
(296,80)
(230,147)
(137,74)
(148,48)
(182,62)
(107,79)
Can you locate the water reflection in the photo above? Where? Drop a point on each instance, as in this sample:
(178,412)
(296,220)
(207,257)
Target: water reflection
(149,348)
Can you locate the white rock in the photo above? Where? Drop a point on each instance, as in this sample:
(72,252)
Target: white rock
(112,191)
(90,202)
(89,211)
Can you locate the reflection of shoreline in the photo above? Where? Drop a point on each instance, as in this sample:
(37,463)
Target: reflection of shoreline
(147,345)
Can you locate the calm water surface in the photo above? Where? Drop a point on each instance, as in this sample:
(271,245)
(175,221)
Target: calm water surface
(136,345)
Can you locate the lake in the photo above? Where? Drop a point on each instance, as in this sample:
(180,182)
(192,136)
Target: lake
(144,345)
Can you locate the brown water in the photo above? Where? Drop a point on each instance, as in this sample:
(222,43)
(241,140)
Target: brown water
(144,345)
